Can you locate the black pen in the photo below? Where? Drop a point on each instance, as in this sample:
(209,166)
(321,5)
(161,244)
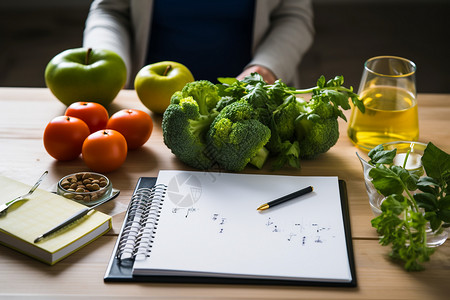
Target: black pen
(283,199)
(75,217)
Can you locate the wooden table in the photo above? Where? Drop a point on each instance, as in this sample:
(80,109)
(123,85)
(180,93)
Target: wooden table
(23,117)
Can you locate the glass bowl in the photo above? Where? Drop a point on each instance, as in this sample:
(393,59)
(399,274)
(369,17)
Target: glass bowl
(414,164)
(87,188)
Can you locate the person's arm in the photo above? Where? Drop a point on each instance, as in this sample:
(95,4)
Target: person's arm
(108,26)
(289,36)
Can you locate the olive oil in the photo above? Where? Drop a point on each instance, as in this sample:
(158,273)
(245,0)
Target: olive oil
(391,115)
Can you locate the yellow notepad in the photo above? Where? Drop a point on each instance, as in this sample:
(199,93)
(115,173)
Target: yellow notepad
(26,220)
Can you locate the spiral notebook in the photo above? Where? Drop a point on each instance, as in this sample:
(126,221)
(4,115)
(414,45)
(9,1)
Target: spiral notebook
(187,226)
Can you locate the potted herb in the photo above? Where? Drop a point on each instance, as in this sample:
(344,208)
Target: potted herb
(414,205)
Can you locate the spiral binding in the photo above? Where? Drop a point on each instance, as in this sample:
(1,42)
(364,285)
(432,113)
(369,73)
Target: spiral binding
(142,218)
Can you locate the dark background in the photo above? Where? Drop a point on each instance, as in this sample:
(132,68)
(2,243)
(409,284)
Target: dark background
(347,33)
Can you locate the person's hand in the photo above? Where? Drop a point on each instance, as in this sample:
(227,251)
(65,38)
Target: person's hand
(268,76)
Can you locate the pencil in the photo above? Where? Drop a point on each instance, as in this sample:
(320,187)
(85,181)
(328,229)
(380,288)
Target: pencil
(283,199)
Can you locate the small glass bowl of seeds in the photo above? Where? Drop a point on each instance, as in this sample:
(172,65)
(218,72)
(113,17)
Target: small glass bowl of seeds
(87,188)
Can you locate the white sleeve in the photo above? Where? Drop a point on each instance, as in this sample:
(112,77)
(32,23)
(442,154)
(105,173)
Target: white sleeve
(288,36)
(108,26)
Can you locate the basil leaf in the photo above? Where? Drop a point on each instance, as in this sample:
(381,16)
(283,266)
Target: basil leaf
(444,209)
(380,156)
(436,162)
(434,220)
(408,178)
(427,201)
(386,181)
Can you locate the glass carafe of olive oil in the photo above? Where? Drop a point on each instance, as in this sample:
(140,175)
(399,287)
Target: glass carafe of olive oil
(388,91)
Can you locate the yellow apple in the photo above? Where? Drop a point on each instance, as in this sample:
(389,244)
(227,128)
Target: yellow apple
(156,83)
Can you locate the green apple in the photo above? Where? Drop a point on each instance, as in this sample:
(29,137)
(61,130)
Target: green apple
(156,83)
(85,74)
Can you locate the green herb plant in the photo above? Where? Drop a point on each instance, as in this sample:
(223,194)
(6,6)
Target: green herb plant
(413,204)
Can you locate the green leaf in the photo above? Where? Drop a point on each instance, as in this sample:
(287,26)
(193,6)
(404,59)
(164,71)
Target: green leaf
(417,221)
(227,80)
(321,82)
(386,225)
(335,82)
(441,208)
(394,203)
(427,201)
(444,202)
(340,99)
(358,103)
(428,185)
(427,181)
(380,156)
(254,79)
(386,181)
(444,215)
(436,162)
(409,179)
(435,221)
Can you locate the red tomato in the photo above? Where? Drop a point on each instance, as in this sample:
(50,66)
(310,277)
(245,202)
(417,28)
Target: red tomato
(135,125)
(64,137)
(93,114)
(104,150)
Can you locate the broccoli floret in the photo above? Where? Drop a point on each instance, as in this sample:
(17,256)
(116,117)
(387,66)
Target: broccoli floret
(283,118)
(204,92)
(316,128)
(316,135)
(187,120)
(282,141)
(176,98)
(320,108)
(237,137)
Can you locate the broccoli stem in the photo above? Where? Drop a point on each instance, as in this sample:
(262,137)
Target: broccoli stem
(260,158)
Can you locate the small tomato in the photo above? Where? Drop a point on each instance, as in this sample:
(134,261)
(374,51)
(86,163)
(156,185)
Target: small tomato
(64,136)
(135,125)
(93,114)
(104,150)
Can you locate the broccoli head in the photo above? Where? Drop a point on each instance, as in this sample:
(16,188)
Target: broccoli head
(282,122)
(237,137)
(187,120)
(316,135)
(243,121)
(316,128)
